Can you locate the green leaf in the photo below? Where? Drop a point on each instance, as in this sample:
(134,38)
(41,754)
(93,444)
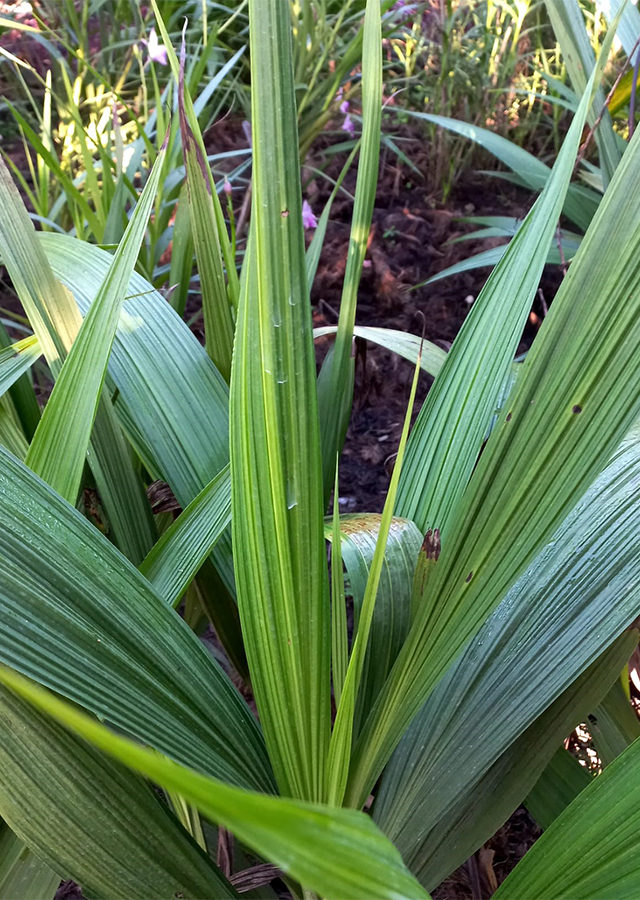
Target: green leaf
(400,342)
(477,815)
(175,559)
(567,21)
(452,424)
(171,399)
(392,610)
(560,783)
(59,447)
(17,359)
(78,617)
(613,724)
(579,205)
(343,729)
(22,392)
(591,849)
(218,320)
(276,471)
(339,629)
(22,873)
(338,853)
(192,120)
(335,382)
(572,602)
(55,319)
(563,422)
(91,819)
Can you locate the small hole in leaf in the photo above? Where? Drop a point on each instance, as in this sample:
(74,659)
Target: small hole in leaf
(576,409)
(508,417)
(469,577)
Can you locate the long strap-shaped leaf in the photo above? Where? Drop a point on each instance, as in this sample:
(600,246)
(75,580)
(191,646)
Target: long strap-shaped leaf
(59,447)
(448,434)
(218,320)
(584,583)
(55,319)
(338,853)
(221,237)
(392,611)
(400,342)
(16,360)
(276,467)
(111,832)
(577,396)
(175,559)
(77,616)
(591,849)
(22,873)
(477,815)
(567,21)
(335,383)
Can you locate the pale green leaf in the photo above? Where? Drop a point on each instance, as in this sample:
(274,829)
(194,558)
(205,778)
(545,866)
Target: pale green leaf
(22,874)
(338,853)
(91,819)
(58,450)
(173,562)
(78,617)
(591,849)
(276,471)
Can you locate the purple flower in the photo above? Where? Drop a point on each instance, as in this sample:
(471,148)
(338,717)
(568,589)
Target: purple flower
(344,107)
(156,51)
(348,125)
(308,218)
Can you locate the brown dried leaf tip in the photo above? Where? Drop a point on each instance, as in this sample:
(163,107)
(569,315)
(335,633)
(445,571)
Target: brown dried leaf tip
(431,544)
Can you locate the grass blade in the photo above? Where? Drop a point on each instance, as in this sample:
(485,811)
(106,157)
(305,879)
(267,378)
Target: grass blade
(338,853)
(277,501)
(175,559)
(58,450)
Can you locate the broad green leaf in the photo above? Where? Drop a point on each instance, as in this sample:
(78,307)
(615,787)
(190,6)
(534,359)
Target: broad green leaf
(613,724)
(22,392)
(578,394)
(58,450)
(338,853)
(560,783)
(55,319)
(400,342)
(16,359)
(335,382)
(218,320)
(175,559)
(91,819)
(579,205)
(564,611)
(276,470)
(22,873)
(11,433)
(567,21)
(78,617)
(476,816)
(452,424)
(591,849)
(392,611)
(171,398)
